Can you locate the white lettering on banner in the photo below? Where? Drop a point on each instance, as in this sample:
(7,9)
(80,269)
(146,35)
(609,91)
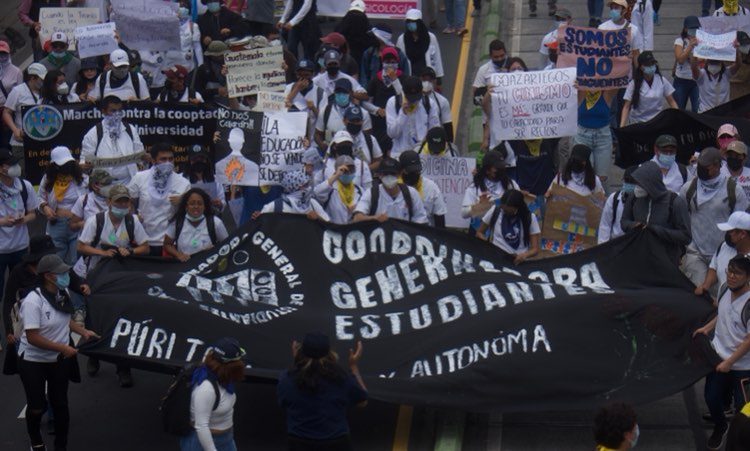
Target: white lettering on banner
(95,40)
(65,20)
(251,71)
(533,105)
(452,175)
(716,47)
(148,24)
(281,145)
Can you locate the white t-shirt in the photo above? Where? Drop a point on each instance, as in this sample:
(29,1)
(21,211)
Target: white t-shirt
(125,92)
(363,152)
(394,208)
(111,236)
(499,240)
(636,38)
(52,324)
(434,203)
(336,120)
(683,70)
(610,226)
(202,400)
(713,92)
(730,331)
(329,198)
(18,97)
(155,208)
(409,130)
(289,206)
(194,239)
(328,84)
(484,73)
(652,98)
(473,193)
(109,148)
(13,239)
(93,205)
(720,262)
(72,194)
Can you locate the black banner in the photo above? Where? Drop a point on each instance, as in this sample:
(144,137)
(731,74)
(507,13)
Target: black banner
(237,151)
(694,132)
(48,126)
(445,320)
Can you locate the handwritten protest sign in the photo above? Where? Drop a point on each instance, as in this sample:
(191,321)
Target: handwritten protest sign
(601,57)
(65,20)
(281,145)
(271,102)
(571,221)
(238,147)
(95,40)
(724,24)
(148,24)
(532,105)
(375,9)
(251,71)
(116,161)
(452,175)
(715,47)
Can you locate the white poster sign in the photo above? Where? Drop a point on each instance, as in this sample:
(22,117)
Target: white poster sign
(65,20)
(148,24)
(452,175)
(716,46)
(270,102)
(251,71)
(95,40)
(281,145)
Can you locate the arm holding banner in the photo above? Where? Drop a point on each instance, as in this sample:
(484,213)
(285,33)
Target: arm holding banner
(679,232)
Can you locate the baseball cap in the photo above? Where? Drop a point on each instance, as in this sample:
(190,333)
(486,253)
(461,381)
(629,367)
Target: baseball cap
(315,345)
(389,166)
(564,13)
(342,136)
(737,147)
(646,58)
(665,141)
(52,263)
(101,177)
(119,192)
(413,14)
(228,350)
(389,51)
(728,129)
(216,48)
(737,220)
(59,37)
(622,3)
(311,156)
(691,22)
(334,38)
(89,63)
(357,5)
(119,58)
(176,71)
(305,65)
(331,56)
(353,113)
(410,161)
(436,139)
(709,156)
(37,69)
(4,47)
(342,84)
(7,157)
(493,158)
(429,72)
(60,155)
(412,88)
(344,160)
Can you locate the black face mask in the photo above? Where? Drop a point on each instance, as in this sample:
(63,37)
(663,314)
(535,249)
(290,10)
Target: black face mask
(734,163)
(411,178)
(703,173)
(499,63)
(553,57)
(332,70)
(354,129)
(578,166)
(343,149)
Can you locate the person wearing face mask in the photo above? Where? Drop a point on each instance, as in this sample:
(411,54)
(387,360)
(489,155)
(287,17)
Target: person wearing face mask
(735,158)
(644,97)
(685,88)
(18,201)
(219,23)
(210,78)
(26,94)
(711,197)
(176,89)
(156,193)
(339,194)
(332,111)
(86,79)
(194,226)
(726,134)
(296,93)
(94,201)
(489,184)
(420,45)
(736,242)
(190,54)
(409,117)
(45,352)
(616,428)
(112,138)
(386,83)
(618,21)
(512,228)
(438,100)
(659,210)
(436,144)
(299,25)
(610,226)
(10,77)
(201,174)
(120,81)
(731,8)
(365,147)
(297,198)
(563,18)
(28,13)
(60,58)
(390,199)
(372,59)
(333,73)
(578,174)
(342,144)
(499,62)
(432,198)
(713,81)
(665,155)
(337,41)
(56,91)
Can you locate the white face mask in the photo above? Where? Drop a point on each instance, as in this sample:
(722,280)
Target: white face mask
(389,181)
(713,69)
(426,86)
(63,89)
(14,171)
(640,192)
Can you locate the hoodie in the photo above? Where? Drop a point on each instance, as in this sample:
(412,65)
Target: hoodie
(672,227)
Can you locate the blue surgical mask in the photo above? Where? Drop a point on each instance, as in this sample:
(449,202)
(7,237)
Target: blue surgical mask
(119,212)
(666,161)
(213,7)
(627,187)
(58,54)
(411,26)
(346,179)
(615,14)
(649,70)
(342,99)
(62,280)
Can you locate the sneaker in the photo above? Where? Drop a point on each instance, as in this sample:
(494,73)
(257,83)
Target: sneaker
(728,413)
(125,378)
(718,437)
(92,366)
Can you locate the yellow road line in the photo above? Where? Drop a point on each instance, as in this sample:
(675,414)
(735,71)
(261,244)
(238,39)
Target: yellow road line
(403,428)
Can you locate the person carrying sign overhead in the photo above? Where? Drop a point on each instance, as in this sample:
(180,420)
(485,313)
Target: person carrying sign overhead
(713,81)
(120,81)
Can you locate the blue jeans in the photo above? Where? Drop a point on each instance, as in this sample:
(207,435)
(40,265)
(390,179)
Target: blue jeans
(8,262)
(595,8)
(64,239)
(685,90)
(223,442)
(599,140)
(718,386)
(455,13)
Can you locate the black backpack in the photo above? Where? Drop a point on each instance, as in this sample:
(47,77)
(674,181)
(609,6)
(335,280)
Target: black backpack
(175,404)
(375,198)
(107,76)
(129,227)
(210,225)
(690,194)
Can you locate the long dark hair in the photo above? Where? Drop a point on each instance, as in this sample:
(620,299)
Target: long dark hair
(589,178)
(518,60)
(208,212)
(83,83)
(49,88)
(208,173)
(70,168)
(308,373)
(488,161)
(638,82)
(514,198)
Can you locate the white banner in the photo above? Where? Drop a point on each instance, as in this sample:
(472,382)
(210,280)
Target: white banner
(452,175)
(724,24)
(271,102)
(532,105)
(251,71)
(148,24)
(281,145)
(65,20)
(95,40)
(716,46)
(375,9)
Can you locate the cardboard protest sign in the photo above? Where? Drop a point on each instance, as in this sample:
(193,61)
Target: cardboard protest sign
(251,71)
(238,148)
(715,47)
(271,102)
(452,175)
(532,105)
(65,20)
(281,145)
(725,24)
(571,221)
(602,57)
(96,40)
(375,9)
(148,24)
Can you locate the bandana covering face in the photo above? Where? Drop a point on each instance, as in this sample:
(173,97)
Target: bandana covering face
(112,123)
(295,191)
(731,6)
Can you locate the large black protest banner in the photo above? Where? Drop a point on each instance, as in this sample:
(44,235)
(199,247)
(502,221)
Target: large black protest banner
(48,126)
(238,147)
(445,320)
(694,132)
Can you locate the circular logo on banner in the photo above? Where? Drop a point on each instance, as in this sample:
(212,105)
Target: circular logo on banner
(42,122)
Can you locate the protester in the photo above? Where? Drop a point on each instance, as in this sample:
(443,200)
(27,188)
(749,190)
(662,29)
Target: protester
(434,204)
(490,182)
(578,174)
(563,18)
(338,194)
(675,174)
(711,197)
(194,226)
(616,428)
(726,134)
(86,79)
(512,227)
(201,174)
(56,91)
(731,341)
(94,201)
(297,197)
(713,81)
(409,117)
(736,242)
(618,20)
(388,82)
(190,54)
(390,199)
(316,393)
(333,73)
(438,100)
(210,77)
(420,45)
(112,138)
(610,224)
(333,110)
(342,144)
(731,8)
(642,16)
(436,143)
(355,27)
(735,159)
(372,58)
(594,128)
(644,97)
(296,92)
(120,81)
(659,210)
(28,13)
(220,23)
(337,41)
(26,94)
(299,24)
(10,77)
(685,87)
(176,89)
(60,58)
(364,146)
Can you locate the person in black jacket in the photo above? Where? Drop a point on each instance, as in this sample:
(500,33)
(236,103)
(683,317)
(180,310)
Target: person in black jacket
(219,24)
(210,80)
(355,26)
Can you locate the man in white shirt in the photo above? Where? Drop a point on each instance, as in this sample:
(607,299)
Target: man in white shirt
(26,94)
(429,192)
(157,193)
(409,117)
(390,199)
(112,139)
(327,80)
(665,155)
(498,63)
(563,17)
(442,105)
(364,146)
(120,81)
(736,242)
(331,113)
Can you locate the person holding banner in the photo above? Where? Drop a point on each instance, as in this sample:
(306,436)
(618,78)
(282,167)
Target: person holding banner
(685,88)
(644,97)
(434,204)
(490,182)
(713,81)
(339,194)
(60,58)
(297,197)
(513,229)
(120,81)
(390,198)
(610,224)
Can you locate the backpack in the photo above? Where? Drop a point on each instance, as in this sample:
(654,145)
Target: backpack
(100,134)
(175,404)
(731,194)
(134,78)
(210,225)
(683,172)
(129,228)
(278,205)
(24,195)
(375,198)
(357,189)
(425,101)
